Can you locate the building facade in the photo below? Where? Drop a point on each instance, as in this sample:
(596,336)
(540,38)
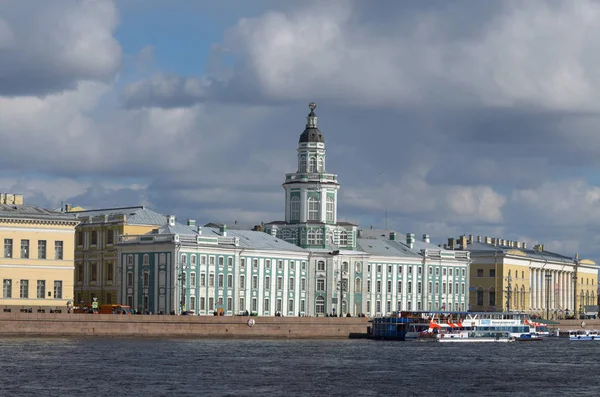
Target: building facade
(36,267)
(507,276)
(96,248)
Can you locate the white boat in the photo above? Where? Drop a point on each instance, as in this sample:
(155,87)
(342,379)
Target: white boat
(475,336)
(584,334)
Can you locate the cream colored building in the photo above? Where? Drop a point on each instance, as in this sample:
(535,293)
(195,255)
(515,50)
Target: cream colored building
(36,262)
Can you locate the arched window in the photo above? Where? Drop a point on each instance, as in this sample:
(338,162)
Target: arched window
(146,260)
(330,207)
(587,297)
(357,284)
(492,300)
(320,164)
(320,305)
(313,209)
(302,164)
(295,209)
(312,237)
(479,296)
(312,165)
(345,267)
(319,237)
(522,297)
(343,238)
(344,307)
(183,259)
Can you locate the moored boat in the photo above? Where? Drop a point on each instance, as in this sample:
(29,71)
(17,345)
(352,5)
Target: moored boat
(476,336)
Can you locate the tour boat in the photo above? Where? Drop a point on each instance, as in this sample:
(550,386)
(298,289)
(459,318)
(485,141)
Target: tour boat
(475,336)
(584,334)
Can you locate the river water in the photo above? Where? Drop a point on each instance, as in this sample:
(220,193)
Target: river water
(208,367)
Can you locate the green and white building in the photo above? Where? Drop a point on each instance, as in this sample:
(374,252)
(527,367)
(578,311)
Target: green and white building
(309,264)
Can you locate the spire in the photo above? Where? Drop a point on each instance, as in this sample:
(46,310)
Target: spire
(311,120)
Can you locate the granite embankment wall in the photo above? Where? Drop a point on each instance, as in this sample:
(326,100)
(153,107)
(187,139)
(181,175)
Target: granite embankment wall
(62,324)
(577,324)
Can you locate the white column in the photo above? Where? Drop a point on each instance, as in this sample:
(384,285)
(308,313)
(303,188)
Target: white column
(323,212)
(288,214)
(303,205)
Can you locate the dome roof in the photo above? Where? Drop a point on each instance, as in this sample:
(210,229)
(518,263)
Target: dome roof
(311,132)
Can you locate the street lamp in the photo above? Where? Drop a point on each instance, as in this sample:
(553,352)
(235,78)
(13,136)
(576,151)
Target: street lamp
(548,278)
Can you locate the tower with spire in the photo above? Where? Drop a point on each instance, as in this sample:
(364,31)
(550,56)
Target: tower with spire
(311,219)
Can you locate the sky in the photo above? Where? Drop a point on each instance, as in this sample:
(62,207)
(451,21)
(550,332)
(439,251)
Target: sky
(442,117)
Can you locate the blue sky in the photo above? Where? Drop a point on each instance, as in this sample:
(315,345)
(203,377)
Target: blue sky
(461,117)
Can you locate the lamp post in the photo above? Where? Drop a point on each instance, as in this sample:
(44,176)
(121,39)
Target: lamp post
(548,278)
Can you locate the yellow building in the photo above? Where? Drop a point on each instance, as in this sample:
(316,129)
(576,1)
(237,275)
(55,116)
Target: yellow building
(96,248)
(507,276)
(37,258)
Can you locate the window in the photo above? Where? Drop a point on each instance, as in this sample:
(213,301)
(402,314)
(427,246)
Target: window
(358,267)
(279,283)
(110,237)
(291,284)
(184,259)
(388,306)
(368,306)
(321,266)
(24,289)
(221,261)
(202,303)
(211,280)
(320,164)
(389,286)
(479,272)
(211,261)
(130,260)
(192,303)
(303,265)
(7,288)
(255,264)
(449,288)
(130,279)
(492,272)
(462,288)
(312,165)
(378,284)
(93,272)
(443,271)
(400,269)
(230,262)
(378,268)
(79,272)
(203,260)
(146,259)
(430,288)
(25,249)
(390,269)
(242,263)
(302,305)
(480,296)
(320,305)
(254,305)
(420,270)
(295,209)
(419,288)
(242,281)
(409,287)
(58,250)
(8,248)
(345,267)
(430,270)
(437,271)
(320,285)
(266,305)
(242,304)
(192,280)
(193,260)
(220,281)
(267,283)
(443,288)
(410,270)
(41,249)
(94,237)
(492,301)
(129,301)
(313,209)
(378,306)
(462,272)
(344,238)
(79,238)
(329,209)
(303,284)
(230,281)
(302,164)
(229,303)
(254,282)
(292,266)
(399,287)
(211,303)
(203,279)
(437,288)
(290,306)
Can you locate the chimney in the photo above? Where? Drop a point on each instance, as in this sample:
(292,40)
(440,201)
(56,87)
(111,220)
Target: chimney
(488,240)
(392,236)
(199,229)
(463,242)
(518,243)
(524,245)
(171,220)
(67,207)
(538,247)
(223,230)
(426,238)
(451,243)
(410,240)
(471,239)
(191,222)
(493,240)
(478,239)
(577,256)
(273,230)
